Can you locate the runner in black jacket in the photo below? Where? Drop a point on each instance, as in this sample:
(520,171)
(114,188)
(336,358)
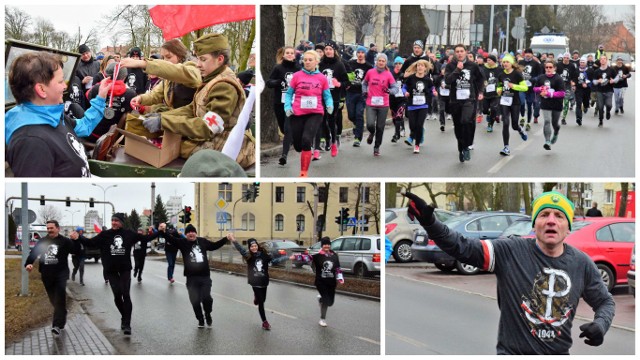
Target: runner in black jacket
(258,260)
(115,250)
(333,68)
(196,269)
(139,255)
(54,250)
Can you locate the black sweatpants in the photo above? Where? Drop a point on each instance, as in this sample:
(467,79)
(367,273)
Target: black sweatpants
(199,288)
(56,290)
(463,113)
(78,264)
(304,129)
(120,282)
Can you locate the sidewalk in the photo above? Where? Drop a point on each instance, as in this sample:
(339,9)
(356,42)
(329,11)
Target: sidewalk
(79,337)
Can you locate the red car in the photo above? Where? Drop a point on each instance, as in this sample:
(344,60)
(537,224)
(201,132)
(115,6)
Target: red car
(608,241)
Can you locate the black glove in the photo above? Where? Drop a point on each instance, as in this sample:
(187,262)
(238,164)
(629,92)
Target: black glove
(418,209)
(593,333)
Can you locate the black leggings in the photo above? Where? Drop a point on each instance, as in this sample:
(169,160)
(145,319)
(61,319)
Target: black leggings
(491,107)
(284,126)
(328,295)
(260,293)
(416,123)
(509,113)
(464,116)
(120,282)
(304,129)
(138,260)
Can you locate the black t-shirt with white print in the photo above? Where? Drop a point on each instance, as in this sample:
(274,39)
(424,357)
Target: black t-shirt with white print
(326,266)
(115,247)
(54,254)
(194,253)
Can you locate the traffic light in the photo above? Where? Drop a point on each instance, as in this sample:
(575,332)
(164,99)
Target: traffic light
(91,202)
(345,216)
(187,215)
(181,217)
(256,190)
(67,202)
(42,200)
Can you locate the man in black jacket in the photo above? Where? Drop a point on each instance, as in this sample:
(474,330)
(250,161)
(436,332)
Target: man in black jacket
(467,84)
(87,68)
(115,250)
(78,258)
(196,269)
(53,250)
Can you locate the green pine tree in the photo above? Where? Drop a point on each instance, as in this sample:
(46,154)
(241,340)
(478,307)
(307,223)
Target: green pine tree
(159,212)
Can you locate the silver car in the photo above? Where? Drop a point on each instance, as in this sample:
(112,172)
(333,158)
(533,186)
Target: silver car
(359,254)
(401,230)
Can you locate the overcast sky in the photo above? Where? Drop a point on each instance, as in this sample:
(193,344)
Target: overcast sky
(125,197)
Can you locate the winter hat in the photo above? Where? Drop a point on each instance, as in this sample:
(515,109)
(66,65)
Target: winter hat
(156,56)
(382,55)
(245,76)
(83,48)
(528,51)
(398,60)
(190,228)
(576,52)
(211,163)
(319,46)
(553,200)
(331,43)
(251,241)
(492,58)
(372,45)
(118,217)
(100,56)
(79,228)
(135,51)
(419,43)
(325,241)
(437,55)
(361,48)
(122,73)
(509,58)
(209,43)
(583,58)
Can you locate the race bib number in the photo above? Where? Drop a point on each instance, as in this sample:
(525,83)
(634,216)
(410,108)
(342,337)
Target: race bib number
(490,88)
(377,100)
(282,98)
(506,100)
(308,102)
(444,92)
(463,94)
(419,100)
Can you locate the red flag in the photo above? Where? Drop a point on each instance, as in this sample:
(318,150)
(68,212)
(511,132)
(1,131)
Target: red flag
(177,20)
(96,226)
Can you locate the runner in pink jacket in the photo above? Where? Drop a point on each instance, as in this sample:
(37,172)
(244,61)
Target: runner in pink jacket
(376,86)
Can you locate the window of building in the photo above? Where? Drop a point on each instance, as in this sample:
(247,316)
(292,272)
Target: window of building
(322,194)
(344,194)
(279,194)
(366,195)
(248,222)
(279,223)
(609,196)
(300,223)
(301,194)
(224,191)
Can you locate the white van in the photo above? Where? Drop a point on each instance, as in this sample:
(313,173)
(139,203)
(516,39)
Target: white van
(555,43)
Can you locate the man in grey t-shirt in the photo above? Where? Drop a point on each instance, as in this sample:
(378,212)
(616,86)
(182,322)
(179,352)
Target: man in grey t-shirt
(539,281)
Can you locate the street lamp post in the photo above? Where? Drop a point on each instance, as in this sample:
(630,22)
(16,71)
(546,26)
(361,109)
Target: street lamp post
(104,198)
(72,213)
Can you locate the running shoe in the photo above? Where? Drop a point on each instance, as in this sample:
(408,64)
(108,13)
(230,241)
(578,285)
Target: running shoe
(489,128)
(356,143)
(266,325)
(442,128)
(600,124)
(564,122)
(528,127)
(370,138)
(323,143)
(201,323)
(127,330)
(522,121)
(376,152)
(283,160)
(461,156)
(209,320)
(579,122)
(523,135)
(408,141)
(322,323)
(316,155)
(621,110)
(394,138)
(467,154)
(55,330)
(470,147)
(617,111)
(416,149)
(608,114)
(547,145)
(479,118)
(334,150)
(554,138)
(535,120)
(505,151)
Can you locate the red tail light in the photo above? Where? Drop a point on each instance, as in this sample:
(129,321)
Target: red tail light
(282,252)
(633,267)
(376,257)
(431,242)
(389,228)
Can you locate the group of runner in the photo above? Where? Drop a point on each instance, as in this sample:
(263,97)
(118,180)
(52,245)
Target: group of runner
(467,87)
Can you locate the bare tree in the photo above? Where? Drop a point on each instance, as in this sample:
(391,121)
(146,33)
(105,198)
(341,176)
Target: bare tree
(49,212)
(272,23)
(585,25)
(413,26)
(16,23)
(358,17)
(43,31)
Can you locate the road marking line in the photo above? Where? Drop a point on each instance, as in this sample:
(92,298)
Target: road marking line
(367,340)
(408,340)
(502,162)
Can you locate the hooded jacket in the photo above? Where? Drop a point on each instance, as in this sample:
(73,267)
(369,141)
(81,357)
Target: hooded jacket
(40,143)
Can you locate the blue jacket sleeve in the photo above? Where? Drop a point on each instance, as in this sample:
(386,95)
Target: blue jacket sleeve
(328,99)
(92,117)
(288,99)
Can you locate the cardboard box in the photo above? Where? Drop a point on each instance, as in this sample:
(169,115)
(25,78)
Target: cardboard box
(140,148)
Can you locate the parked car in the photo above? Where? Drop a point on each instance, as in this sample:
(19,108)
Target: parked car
(631,274)
(482,225)
(359,254)
(521,227)
(36,232)
(284,248)
(401,230)
(609,242)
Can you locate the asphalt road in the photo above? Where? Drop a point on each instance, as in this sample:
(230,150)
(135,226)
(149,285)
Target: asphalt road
(581,151)
(163,320)
(432,313)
